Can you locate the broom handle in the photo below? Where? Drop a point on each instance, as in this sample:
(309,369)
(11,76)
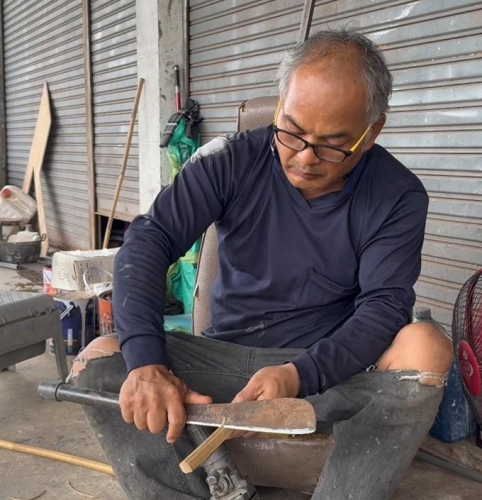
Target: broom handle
(127,148)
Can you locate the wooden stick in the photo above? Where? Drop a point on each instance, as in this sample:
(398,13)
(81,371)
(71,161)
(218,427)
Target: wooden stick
(56,455)
(42,223)
(206,449)
(120,180)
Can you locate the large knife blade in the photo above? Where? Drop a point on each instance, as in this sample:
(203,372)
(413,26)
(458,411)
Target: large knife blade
(279,416)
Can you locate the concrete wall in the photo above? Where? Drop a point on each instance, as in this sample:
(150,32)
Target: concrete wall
(159,48)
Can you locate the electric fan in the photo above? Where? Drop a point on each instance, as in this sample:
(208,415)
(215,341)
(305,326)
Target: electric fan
(467,343)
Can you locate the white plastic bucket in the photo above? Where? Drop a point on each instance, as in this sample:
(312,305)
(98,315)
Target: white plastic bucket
(97,280)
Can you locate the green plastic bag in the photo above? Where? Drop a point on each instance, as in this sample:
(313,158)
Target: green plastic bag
(180,148)
(182,275)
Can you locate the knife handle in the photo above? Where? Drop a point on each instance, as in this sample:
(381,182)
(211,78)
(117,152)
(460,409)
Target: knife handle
(205,449)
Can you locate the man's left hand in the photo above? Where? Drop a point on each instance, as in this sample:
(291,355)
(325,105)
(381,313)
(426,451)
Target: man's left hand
(271,382)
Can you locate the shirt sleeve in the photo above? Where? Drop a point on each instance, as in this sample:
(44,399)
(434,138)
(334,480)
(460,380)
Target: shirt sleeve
(178,217)
(389,266)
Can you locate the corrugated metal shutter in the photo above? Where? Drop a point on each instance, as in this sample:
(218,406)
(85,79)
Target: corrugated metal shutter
(235,48)
(114,77)
(43,42)
(434,51)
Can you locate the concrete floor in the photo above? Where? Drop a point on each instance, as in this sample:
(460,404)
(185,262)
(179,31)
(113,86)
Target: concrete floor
(27,419)
(27,279)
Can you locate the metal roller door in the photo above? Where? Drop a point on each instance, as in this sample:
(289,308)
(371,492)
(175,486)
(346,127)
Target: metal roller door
(114,79)
(43,42)
(434,51)
(234,52)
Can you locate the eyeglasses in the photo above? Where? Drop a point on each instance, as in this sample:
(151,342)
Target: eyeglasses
(323,152)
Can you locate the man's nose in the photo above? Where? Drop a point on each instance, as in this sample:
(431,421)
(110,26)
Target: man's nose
(308,157)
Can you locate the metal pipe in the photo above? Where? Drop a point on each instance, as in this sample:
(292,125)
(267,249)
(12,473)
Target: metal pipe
(89,124)
(306,18)
(3,112)
(185,90)
(450,466)
(8,265)
(65,392)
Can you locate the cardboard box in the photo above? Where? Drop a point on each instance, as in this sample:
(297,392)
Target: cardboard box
(68,268)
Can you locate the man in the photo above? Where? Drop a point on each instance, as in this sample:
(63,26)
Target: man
(320,235)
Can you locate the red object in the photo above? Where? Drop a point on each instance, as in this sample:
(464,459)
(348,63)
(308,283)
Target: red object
(467,341)
(469,368)
(178,100)
(106,317)
(6,193)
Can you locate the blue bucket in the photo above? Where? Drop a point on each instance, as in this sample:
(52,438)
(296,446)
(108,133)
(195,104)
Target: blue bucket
(77,318)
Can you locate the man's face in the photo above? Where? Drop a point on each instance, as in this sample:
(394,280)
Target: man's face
(325,105)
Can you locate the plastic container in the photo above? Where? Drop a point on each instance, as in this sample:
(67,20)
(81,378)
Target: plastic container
(47,281)
(28,234)
(425,314)
(98,280)
(8,212)
(454,420)
(77,318)
(22,203)
(106,316)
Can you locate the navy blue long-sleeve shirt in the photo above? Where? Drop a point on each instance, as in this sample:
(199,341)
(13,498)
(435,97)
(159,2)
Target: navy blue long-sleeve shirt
(333,274)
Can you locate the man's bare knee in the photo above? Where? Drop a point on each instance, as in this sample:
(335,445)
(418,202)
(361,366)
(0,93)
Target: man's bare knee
(101,347)
(420,347)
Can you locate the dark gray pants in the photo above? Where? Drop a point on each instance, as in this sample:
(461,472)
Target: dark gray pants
(379,420)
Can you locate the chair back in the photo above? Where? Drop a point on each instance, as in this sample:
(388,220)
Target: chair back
(255,113)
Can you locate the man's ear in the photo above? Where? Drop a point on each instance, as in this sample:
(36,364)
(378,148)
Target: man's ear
(375,132)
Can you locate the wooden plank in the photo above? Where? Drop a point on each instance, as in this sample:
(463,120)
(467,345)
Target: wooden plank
(40,211)
(40,139)
(206,449)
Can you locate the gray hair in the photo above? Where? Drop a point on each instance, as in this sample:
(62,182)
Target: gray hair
(371,61)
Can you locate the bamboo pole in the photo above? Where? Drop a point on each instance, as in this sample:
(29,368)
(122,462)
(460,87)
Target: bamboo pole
(127,148)
(56,455)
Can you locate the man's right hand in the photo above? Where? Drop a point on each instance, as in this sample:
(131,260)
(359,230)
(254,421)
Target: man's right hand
(152,396)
